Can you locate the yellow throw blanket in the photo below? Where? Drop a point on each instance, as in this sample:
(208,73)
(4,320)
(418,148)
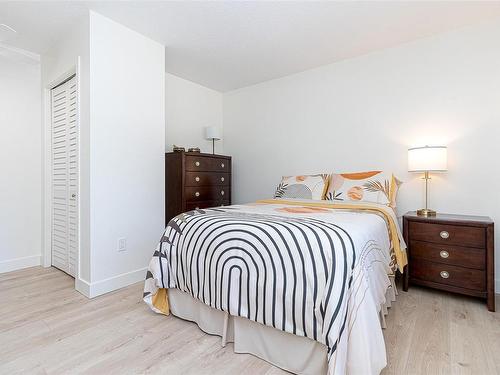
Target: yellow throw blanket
(399,250)
(160,301)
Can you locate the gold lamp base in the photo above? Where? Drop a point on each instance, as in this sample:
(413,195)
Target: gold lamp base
(426,212)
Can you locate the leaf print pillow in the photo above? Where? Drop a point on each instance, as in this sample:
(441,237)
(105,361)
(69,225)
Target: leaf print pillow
(303,187)
(371,186)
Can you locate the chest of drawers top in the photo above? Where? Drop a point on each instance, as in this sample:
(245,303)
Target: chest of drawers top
(462,220)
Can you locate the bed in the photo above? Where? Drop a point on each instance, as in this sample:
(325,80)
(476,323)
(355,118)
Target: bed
(299,283)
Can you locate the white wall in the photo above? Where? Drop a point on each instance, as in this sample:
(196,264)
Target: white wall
(190,107)
(20,165)
(363,114)
(127,143)
(122,132)
(68,55)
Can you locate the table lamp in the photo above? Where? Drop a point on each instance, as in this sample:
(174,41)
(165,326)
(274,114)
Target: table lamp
(424,160)
(212,133)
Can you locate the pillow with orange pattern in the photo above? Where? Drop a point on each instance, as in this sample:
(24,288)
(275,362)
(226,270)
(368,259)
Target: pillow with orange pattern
(371,186)
(303,187)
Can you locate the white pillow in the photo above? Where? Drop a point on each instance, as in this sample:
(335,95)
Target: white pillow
(303,187)
(371,186)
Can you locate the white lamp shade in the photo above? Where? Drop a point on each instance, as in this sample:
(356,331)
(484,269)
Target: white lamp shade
(212,132)
(427,159)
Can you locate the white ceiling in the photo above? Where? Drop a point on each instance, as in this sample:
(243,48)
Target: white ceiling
(228,45)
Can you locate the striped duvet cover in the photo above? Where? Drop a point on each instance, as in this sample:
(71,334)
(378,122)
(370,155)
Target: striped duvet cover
(313,271)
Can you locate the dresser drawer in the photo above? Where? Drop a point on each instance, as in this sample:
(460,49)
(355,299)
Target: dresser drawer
(447,274)
(206,193)
(206,178)
(469,257)
(448,234)
(212,164)
(205,204)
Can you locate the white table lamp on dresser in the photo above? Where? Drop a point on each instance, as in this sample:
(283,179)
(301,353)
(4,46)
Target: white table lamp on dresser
(213,133)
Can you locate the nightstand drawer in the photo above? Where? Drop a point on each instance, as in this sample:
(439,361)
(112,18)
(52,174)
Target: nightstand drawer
(448,234)
(468,257)
(449,275)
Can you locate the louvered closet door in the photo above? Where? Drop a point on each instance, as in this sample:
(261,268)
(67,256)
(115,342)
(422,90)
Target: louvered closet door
(65,177)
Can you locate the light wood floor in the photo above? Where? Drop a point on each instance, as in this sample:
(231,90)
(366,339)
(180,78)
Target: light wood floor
(46,327)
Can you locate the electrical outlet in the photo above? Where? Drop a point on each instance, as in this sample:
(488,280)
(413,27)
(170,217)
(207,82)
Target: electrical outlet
(122,244)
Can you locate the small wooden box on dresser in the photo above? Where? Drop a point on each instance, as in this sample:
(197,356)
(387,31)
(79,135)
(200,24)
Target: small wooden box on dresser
(451,252)
(195,180)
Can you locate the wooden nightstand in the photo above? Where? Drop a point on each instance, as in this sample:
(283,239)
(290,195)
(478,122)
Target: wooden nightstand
(452,253)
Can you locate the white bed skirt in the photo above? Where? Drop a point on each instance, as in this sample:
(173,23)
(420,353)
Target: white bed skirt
(296,354)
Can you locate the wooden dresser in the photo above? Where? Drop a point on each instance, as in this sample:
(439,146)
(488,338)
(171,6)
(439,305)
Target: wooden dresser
(196,180)
(452,253)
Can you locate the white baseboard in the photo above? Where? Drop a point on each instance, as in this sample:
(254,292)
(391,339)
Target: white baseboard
(83,287)
(20,263)
(98,288)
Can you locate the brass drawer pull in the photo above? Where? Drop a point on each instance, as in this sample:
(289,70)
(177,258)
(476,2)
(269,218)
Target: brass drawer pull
(222,179)
(444,254)
(222,192)
(197,163)
(197,179)
(197,194)
(444,235)
(222,165)
(444,274)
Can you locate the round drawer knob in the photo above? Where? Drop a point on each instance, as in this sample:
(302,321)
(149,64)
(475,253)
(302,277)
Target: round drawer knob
(222,179)
(197,179)
(197,163)
(222,192)
(197,194)
(444,254)
(222,165)
(444,234)
(444,274)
